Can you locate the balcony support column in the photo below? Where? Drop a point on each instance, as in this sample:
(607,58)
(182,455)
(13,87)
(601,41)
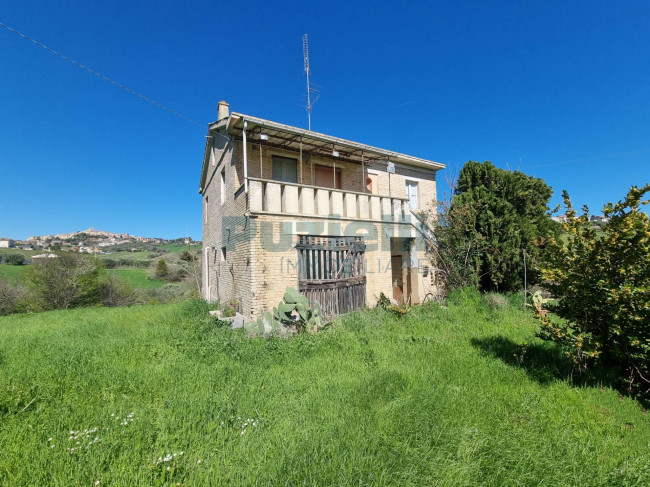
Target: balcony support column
(243,133)
(301,160)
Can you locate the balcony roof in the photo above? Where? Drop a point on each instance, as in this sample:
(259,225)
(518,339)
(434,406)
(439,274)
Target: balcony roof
(286,137)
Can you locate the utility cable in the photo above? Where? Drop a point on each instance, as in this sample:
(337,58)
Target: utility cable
(99,75)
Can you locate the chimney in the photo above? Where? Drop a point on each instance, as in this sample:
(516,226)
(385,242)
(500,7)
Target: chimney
(222,110)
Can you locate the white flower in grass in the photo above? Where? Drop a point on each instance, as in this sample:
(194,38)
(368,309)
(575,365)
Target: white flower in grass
(96,482)
(50,439)
(198,462)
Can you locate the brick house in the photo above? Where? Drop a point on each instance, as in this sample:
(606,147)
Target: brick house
(284,206)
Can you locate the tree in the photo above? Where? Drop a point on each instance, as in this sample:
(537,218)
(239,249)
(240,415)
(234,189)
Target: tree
(161,269)
(602,283)
(495,220)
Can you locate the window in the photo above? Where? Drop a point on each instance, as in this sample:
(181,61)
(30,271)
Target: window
(205,211)
(223,254)
(223,185)
(285,169)
(412,194)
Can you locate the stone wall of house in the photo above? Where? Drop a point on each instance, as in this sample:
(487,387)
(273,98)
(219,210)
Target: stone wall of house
(226,243)
(276,259)
(260,256)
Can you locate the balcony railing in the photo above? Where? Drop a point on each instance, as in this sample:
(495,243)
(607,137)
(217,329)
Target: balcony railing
(278,197)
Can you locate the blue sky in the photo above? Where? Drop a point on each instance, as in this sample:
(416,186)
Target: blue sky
(557,89)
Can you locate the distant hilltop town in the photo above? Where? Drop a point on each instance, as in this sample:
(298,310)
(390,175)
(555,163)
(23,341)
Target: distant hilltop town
(90,233)
(89,241)
(596,219)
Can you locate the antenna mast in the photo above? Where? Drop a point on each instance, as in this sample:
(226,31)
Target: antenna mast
(310,91)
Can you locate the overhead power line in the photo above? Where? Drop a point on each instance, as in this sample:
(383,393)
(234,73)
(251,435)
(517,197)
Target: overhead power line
(99,75)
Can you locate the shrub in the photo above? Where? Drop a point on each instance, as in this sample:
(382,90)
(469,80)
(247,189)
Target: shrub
(161,269)
(110,263)
(12,297)
(496,301)
(603,287)
(383,302)
(175,273)
(66,281)
(115,292)
(187,256)
(15,259)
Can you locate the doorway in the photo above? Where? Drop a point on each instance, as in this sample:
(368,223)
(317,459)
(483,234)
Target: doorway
(324,177)
(332,272)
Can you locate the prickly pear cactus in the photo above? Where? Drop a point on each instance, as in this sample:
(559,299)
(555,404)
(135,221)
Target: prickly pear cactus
(294,313)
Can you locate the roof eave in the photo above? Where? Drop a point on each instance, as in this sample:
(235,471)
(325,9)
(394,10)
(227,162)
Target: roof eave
(235,117)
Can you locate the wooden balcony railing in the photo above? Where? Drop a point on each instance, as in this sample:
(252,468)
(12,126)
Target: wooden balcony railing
(300,199)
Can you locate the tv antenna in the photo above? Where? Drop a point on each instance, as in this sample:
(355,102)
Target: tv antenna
(310,91)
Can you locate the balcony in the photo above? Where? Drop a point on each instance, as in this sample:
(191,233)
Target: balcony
(291,199)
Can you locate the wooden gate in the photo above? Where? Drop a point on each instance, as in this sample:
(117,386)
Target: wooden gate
(331,272)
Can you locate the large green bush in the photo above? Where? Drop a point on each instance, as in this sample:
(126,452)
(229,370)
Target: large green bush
(493,230)
(66,281)
(15,259)
(603,287)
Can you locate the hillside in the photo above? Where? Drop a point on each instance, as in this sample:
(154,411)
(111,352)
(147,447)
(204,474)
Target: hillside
(160,395)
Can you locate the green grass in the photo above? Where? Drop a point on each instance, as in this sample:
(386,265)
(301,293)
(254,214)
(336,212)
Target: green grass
(125,254)
(176,248)
(136,278)
(434,398)
(12,272)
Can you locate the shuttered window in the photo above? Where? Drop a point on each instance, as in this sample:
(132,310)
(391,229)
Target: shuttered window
(285,169)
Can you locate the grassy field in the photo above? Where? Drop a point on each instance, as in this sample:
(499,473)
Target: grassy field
(144,255)
(177,248)
(12,272)
(160,395)
(125,254)
(137,278)
(26,253)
